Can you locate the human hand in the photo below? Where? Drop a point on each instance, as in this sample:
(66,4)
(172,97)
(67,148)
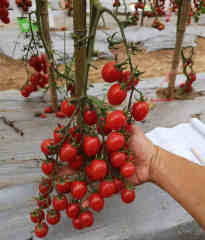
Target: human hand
(144,153)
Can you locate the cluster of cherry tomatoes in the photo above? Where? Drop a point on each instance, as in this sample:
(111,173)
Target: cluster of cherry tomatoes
(94,146)
(190,74)
(4,14)
(39,78)
(158,24)
(24,4)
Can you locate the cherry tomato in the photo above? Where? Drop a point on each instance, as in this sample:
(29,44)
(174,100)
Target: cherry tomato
(118,185)
(91,145)
(60,114)
(76,163)
(78,189)
(62,185)
(140,110)
(37,215)
(96,202)
(45,146)
(192,77)
(67,108)
(53,217)
(90,117)
(128,169)
(67,152)
(73,210)
(118,159)
(86,218)
(44,202)
(115,141)
(98,169)
(129,82)
(75,134)
(116,95)
(45,186)
(47,167)
(60,202)
(41,230)
(102,127)
(127,195)
(115,120)
(25,93)
(107,188)
(59,133)
(77,224)
(110,73)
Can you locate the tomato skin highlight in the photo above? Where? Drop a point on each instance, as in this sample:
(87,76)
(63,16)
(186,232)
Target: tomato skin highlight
(117,159)
(91,145)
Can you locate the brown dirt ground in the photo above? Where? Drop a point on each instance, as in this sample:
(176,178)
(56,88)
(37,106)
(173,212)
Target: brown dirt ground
(154,64)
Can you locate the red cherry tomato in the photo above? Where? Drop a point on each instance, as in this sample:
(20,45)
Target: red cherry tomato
(128,169)
(41,230)
(73,210)
(67,152)
(127,195)
(77,224)
(37,215)
(53,217)
(45,186)
(140,110)
(76,163)
(116,95)
(60,202)
(96,202)
(118,185)
(98,169)
(115,120)
(59,133)
(91,145)
(129,82)
(44,202)
(47,167)
(110,73)
(45,146)
(67,108)
(107,188)
(90,117)
(60,114)
(115,141)
(86,218)
(118,159)
(78,189)
(62,185)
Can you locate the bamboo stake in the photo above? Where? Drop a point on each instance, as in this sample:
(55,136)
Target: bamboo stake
(79,24)
(183,14)
(43,12)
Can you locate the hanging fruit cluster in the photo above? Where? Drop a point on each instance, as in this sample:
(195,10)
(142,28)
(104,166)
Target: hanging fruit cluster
(4,14)
(24,4)
(188,72)
(160,8)
(158,24)
(94,145)
(39,79)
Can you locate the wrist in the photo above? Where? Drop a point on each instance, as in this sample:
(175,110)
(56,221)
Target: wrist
(155,163)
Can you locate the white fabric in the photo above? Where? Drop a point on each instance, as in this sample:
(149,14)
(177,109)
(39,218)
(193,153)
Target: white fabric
(181,139)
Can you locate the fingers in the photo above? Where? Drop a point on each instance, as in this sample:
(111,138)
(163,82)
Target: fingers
(134,180)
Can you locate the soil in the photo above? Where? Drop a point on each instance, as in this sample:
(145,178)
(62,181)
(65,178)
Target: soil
(153,64)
